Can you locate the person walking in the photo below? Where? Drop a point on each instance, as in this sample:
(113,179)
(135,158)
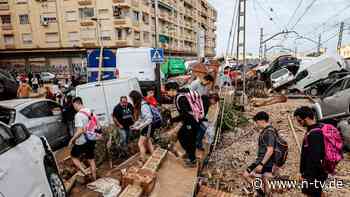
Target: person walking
(312,153)
(190,115)
(262,167)
(202,86)
(143,122)
(123,119)
(83,142)
(24,89)
(35,84)
(68,114)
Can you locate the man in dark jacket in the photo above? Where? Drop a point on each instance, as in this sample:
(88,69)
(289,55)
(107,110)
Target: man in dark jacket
(263,165)
(189,125)
(312,154)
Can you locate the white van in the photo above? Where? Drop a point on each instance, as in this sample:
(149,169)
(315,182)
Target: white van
(28,167)
(102,97)
(135,62)
(321,68)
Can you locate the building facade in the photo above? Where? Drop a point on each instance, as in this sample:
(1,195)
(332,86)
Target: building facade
(42,30)
(345,51)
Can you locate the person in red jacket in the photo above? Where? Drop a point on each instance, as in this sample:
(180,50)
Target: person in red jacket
(150,99)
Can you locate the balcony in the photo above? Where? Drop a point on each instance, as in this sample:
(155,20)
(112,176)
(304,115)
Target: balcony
(89,44)
(87,23)
(4,7)
(6,27)
(10,46)
(84,2)
(125,22)
(123,43)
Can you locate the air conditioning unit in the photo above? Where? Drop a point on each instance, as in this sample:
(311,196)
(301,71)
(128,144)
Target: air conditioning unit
(44,21)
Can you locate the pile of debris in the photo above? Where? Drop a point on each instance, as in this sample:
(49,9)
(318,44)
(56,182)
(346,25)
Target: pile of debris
(237,150)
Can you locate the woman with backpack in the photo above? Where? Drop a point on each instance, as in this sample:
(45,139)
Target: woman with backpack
(143,122)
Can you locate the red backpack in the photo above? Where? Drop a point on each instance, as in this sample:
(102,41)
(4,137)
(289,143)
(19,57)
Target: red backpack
(333,145)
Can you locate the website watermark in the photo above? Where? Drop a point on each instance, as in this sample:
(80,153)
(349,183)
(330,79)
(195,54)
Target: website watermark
(298,185)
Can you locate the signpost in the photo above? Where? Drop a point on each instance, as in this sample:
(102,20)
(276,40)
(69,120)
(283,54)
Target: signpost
(108,68)
(157,55)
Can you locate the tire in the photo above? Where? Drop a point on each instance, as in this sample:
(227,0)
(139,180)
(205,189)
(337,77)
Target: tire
(56,183)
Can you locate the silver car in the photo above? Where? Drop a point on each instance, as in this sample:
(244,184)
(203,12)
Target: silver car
(42,117)
(335,101)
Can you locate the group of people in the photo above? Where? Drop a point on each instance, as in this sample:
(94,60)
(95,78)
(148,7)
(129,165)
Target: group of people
(315,162)
(142,116)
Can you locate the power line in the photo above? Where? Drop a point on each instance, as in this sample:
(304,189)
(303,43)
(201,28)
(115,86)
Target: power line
(331,17)
(268,15)
(295,12)
(306,10)
(232,27)
(327,40)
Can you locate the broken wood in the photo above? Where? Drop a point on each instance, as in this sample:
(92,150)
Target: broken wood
(294,133)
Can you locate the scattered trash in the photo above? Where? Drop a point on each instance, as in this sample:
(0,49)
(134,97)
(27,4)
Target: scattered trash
(109,187)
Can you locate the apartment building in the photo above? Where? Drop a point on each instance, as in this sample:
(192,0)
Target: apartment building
(60,32)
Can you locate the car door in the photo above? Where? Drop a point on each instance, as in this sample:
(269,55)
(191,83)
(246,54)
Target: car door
(21,169)
(56,126)
(344,101)
(331,99)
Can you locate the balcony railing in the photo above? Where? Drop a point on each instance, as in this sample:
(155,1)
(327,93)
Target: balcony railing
(87,23)
(4,7)
(84,2)
(6,27)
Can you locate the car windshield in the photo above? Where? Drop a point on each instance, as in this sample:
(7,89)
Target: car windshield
(279,73)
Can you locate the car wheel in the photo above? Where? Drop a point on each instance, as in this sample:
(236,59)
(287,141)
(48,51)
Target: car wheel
(313,92)
(56,183)
(2,87)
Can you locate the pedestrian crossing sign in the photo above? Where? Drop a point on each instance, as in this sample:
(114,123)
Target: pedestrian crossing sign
(157,55)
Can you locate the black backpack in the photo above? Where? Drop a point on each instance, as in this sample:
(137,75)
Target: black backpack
(280,152)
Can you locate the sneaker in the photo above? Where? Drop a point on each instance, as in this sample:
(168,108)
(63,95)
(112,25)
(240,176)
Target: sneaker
(190,164)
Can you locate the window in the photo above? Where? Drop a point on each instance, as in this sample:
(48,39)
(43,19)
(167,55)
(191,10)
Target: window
(88,33)
(37,110)
(145,18)
(52,37)
(23,19)
(334,88)
(106,35)
(86,13)
(137,36)
(302,75)
(103,13)
(27,38)
(9,39)
(136,16)
(146,37)
(73,38)
(5,19)
(119,34)
(54,108)
(71,16)
(48,19)
(4,139)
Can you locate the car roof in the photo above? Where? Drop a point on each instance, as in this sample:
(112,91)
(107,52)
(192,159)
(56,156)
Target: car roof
(14,103)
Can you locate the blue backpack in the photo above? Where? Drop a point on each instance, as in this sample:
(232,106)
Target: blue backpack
(157,117)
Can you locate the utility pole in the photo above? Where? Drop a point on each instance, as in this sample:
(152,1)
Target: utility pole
(261,43)
(340,40)
(319,45)
(265,51)
(241,42)
(100,42)
(158,80)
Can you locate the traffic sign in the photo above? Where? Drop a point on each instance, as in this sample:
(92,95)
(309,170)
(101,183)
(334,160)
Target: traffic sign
(109,58)
(157,55)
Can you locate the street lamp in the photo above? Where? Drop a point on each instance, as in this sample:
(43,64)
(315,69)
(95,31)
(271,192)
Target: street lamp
(100,60)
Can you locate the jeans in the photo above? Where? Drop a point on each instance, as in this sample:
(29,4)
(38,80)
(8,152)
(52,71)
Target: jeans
(200,135)
(124,136)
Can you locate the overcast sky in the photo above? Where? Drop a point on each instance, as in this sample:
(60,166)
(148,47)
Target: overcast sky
(323,17)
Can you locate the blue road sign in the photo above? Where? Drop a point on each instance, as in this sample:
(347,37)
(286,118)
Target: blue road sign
(109,58)
(157,55)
